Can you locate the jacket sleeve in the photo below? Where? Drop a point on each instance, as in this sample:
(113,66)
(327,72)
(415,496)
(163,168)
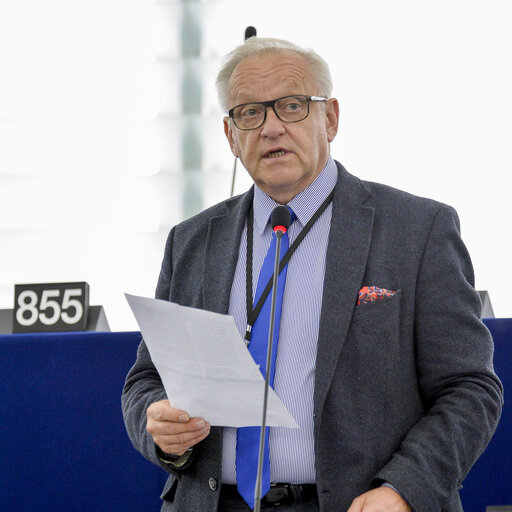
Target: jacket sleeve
(143,385)
(461,393)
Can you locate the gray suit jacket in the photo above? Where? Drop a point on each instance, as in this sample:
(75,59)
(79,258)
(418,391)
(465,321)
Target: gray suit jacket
(405,390)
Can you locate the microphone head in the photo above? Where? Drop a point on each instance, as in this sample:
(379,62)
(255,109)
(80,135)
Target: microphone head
(250,32)
(280,218)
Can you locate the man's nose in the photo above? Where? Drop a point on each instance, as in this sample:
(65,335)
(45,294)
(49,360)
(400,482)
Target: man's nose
(273,126)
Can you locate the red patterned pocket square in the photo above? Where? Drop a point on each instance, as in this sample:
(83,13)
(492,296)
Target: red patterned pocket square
(372,293)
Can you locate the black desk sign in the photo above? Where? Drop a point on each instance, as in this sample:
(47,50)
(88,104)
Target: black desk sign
(50,307)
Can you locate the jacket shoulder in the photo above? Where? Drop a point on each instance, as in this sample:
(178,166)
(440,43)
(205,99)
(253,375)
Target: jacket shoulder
(386,197)
(220,209)
(392,207)
(230,212)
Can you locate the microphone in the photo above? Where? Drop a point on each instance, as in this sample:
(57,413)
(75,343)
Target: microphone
(280,220)
(249,32)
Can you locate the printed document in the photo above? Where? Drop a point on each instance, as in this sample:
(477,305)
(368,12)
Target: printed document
(204,365)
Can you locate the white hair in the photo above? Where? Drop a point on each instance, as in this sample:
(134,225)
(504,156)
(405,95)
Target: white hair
(261,45)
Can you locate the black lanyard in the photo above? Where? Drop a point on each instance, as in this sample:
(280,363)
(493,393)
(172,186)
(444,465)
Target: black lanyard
(252,314)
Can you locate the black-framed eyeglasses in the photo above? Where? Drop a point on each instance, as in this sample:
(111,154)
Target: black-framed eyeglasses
(289,109)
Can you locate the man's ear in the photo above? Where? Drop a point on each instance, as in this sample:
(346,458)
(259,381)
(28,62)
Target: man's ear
(228,130)
(332,115)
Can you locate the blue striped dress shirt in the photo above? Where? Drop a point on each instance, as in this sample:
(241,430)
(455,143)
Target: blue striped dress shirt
(292,455)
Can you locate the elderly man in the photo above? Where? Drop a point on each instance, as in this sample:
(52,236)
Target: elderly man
(381,358)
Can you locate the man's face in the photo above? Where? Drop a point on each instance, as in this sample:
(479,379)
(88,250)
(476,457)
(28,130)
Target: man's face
(282,158)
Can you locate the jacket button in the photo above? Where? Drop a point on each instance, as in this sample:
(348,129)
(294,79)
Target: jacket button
(213,484)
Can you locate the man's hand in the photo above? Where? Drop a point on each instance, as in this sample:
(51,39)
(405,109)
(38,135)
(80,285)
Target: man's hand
(173,430)
(382,499)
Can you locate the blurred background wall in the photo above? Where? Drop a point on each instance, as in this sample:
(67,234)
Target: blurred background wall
(110,131)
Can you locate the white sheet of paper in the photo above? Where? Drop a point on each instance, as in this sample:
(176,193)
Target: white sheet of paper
(204,365)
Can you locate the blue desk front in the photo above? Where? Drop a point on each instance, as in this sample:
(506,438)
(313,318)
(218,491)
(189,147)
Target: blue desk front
(63,445)
(490,480)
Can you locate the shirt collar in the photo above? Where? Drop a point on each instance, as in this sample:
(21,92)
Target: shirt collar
(304,204)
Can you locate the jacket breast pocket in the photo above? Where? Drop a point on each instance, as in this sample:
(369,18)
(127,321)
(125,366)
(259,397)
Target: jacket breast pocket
(371,360)
(379,312)
(373,340)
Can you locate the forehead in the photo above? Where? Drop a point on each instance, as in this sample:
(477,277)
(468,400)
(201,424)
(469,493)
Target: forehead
(268,76)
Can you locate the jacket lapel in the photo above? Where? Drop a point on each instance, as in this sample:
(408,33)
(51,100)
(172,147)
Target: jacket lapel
(221,254)
(347,254)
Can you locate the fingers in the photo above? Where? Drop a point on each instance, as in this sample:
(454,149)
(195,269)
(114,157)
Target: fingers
(178,444)
(381,499)
(163,411)
(355,506)
(172,429)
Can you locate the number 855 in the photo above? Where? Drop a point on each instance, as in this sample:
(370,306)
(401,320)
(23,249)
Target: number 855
(27,301)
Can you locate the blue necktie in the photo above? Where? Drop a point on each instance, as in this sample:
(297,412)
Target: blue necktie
(248,438)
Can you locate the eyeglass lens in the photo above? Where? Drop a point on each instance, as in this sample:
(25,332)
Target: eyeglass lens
(290,109)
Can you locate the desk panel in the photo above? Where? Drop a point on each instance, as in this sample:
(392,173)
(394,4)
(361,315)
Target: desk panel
(63,445)
(490,480)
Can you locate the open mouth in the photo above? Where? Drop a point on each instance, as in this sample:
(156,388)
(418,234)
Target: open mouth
(275,153)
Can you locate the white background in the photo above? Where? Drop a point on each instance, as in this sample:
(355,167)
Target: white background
(424,89)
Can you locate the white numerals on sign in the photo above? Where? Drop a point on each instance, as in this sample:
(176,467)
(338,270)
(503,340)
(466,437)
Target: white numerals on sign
(49,304)
(68,302)
(27,301)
